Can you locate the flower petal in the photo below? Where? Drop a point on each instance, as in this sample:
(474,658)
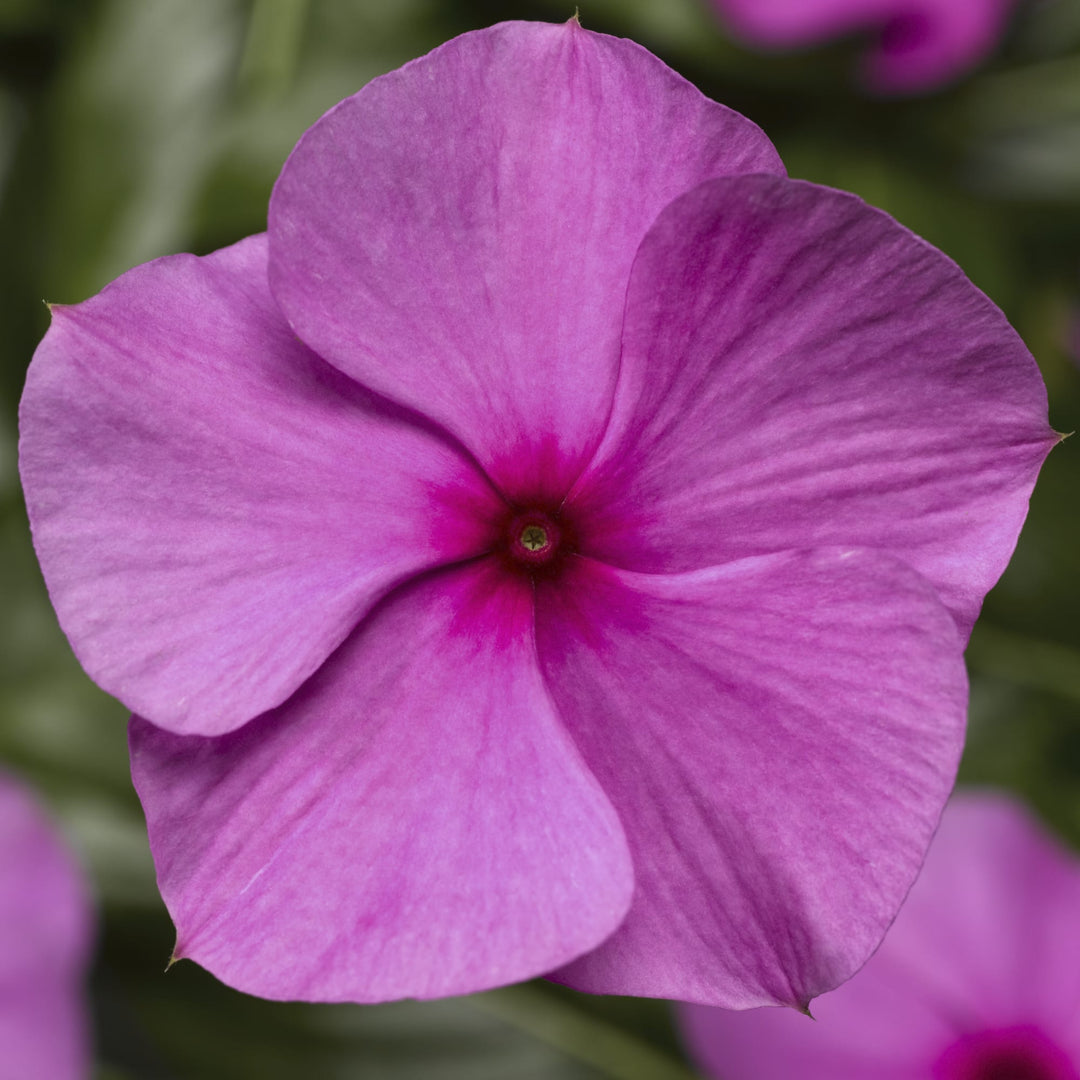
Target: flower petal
(214,508)
(778,736)
(988,940)
(458,235)
(414,822)
(798,370)
(44,909)
(44,945)
(43,1031)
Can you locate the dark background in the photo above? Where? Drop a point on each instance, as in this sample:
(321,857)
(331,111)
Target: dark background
(135,128)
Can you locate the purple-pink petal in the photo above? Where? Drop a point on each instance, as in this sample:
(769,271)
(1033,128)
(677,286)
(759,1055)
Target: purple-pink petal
(800,370)
(778,736)
(213,506)
(458,235)
(414,822)
(43,1030)
(44,945)
(921,43)
(981,967)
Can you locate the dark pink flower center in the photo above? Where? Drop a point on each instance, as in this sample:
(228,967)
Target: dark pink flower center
(534,541)
(1019,1053)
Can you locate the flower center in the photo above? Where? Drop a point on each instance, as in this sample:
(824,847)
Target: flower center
(1021,1053)
(534,540)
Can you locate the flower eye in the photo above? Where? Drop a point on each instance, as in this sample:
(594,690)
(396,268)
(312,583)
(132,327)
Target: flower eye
(534,538)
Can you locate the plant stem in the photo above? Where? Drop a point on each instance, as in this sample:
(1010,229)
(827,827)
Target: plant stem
(606,1048)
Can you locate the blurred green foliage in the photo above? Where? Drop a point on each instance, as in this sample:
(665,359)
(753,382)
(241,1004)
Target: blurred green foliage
(135,128)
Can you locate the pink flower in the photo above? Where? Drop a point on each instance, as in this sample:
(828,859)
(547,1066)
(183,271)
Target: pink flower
(44,942)
(549,550)
(921,45)
(979,978)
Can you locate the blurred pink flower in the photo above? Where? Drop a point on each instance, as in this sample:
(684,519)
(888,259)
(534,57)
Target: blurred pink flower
(979,978)
(44,943)
(552,548)
(921,45)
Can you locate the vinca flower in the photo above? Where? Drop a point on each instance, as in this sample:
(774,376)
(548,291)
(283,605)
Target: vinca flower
(44,946)
(978,979)
(549,549)
(921,43)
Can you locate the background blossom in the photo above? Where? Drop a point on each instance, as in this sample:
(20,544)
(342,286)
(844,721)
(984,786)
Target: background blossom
(693,742)
(44,945)
(921,43)
(978,978)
